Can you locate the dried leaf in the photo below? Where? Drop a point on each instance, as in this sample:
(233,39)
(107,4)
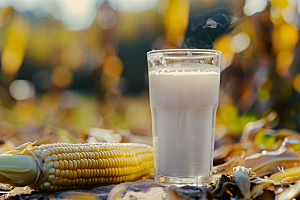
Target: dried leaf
(291,143)
(81,196)
(21,149)
(291,192)
(153,193)
(225,150)
(291,179)
(241,176)
(252,128)
(258,189)
(271,164)
(116,192)
(227,167)
(291,172)
(288,133)
(266,162)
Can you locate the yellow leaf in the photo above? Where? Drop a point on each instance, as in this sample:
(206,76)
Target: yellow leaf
(296,83)
(290,193)
(295,171)
(14,50)
(21,149)
(176,21)
(116,192)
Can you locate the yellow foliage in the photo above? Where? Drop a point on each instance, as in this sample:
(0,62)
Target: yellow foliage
(14,50)
(72,55)
(223,44)
(112,66)
(39,46)
(284,59)
(263,95)
(176,21)
(296,83)
(279,3)
(62,76)
(285,37)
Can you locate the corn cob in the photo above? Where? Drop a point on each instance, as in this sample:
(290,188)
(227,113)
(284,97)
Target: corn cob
(55,167)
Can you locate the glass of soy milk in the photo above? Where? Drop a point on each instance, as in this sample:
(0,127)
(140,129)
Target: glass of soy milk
(184,96)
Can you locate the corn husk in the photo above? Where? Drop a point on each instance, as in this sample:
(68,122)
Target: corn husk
(21,149)
(17,169)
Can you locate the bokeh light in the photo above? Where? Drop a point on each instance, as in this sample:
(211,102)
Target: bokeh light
(285,37)
(107,19)
(296,83)
(70,99)
(240,42)
(61,76)
(112,66)
(77,14)
(284,59)
(14,50)
(176,21)
(224,44)
(134,5)
(22,89)
(253,6)
(70,66)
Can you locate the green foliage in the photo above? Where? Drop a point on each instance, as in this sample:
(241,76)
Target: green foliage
(266,138)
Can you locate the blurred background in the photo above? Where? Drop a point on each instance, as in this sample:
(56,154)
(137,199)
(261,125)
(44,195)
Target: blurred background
(76,70)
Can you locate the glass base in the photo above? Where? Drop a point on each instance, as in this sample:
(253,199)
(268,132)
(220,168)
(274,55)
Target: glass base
(182,181)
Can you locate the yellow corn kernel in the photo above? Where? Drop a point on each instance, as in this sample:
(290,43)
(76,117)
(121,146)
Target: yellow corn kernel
(79,165)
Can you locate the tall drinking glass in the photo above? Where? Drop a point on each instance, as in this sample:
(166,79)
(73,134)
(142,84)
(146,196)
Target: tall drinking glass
(184,96)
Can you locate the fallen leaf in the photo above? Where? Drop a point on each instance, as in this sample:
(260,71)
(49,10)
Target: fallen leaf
(291,172)
(267,162)
(291,192)
(241,177)
(227,167)
(116,192)
(81,196)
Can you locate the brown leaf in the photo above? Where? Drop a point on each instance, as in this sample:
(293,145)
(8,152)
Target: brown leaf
(290,193)
(267,162)
(227,168)
(292,173)
(225,152)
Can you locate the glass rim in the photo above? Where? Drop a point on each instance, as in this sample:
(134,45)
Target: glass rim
(205,51)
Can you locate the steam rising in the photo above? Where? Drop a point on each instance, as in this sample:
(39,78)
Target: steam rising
(211,24)
(203,29)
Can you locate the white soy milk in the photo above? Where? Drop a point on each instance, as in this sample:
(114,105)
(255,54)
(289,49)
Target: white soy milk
(183,103)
